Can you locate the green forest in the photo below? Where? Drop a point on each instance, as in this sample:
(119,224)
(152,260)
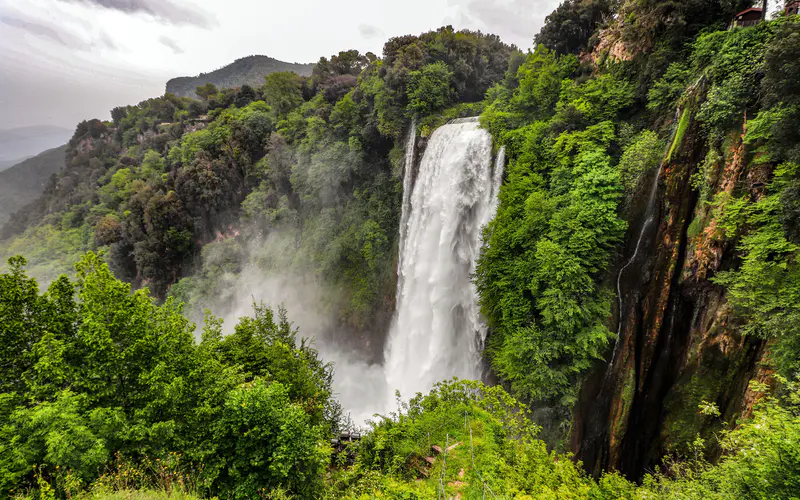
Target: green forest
(118,381)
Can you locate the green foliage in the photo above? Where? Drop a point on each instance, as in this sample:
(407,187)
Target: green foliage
(540,79)
(594,101)
(765,288)
(539,275)
(206,91)
(735,70)
(51,251)
(779,88)
(497,451)
(281,449)
(664,94)
(643,155)
(649,25)
(429,89)
(569,29)
(92,372)
(282,92)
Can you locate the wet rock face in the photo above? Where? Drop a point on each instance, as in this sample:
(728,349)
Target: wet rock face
(678,346)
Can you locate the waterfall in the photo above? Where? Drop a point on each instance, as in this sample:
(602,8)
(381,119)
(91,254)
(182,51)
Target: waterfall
(497,180)
(437,332)
(650,219)
(408,183)
(650,215)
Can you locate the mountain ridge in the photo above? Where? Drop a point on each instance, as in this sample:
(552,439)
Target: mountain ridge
(25,181)
(21,143)
(249,70)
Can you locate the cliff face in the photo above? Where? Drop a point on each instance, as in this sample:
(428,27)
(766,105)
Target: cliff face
(678,346)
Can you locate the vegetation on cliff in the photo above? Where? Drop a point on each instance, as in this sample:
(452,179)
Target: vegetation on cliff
(582,135)
(104,389)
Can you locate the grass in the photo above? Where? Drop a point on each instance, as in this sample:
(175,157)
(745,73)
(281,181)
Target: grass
(139,495)
(683,126)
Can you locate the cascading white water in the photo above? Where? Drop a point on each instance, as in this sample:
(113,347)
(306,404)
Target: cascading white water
(408,183)
(497,180)
(437,332)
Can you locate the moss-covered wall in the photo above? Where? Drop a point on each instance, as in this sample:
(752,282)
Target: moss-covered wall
(678,346)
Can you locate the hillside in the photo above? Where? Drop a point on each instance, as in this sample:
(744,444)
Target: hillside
(249,70)
(24,182)
(637,279)
(18,144)
(4,164)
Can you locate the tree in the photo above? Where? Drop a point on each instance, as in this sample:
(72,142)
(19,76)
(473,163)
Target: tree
(429,89)
(245,96)
(282,92)
(280,450)
(568,29)
(20,309)
(205,92)
(101,375)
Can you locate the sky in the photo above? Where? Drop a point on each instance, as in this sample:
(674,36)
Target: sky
(63,61)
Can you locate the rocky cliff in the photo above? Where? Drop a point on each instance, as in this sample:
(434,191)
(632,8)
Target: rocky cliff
(679,346)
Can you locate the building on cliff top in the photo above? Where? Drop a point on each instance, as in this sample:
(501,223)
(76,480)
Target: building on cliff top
(749,17)
(792,7)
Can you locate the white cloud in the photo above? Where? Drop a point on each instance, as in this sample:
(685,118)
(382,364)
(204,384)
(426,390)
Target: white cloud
(124,59)
(164,10)
(170,43)
(369,31)
(516,21)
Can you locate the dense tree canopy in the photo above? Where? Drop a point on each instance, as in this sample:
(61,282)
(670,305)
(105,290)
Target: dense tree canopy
(92,372)
(101,374)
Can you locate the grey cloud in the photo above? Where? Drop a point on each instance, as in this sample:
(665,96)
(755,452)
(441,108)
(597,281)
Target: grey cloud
(369,31)
(164,10)
(43,30)
(55,33)
(106,41)
(516,20)
(172,44)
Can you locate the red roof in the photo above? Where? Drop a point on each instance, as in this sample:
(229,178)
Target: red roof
(751,9)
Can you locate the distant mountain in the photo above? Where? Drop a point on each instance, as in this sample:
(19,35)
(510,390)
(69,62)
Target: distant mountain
(17,144)
(4,164)
(249,70)
(25,182)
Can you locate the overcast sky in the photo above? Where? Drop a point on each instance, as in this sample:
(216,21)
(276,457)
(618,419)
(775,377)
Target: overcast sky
(62,61)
